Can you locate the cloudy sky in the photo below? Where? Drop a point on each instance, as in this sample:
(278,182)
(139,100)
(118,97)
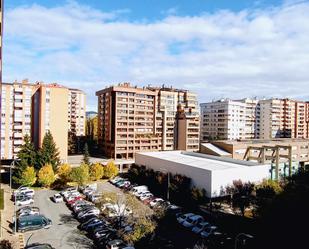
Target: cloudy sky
(217,48)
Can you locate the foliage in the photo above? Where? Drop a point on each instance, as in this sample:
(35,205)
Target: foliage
(72,146)
(287,216)
(46,176)
(5,244)
(180,191)
(27,178)
(86,157)
(96,171)
(80,174)
(241,194)
(142,225)
(63,172)
(142,228)
(49,153)
(110,170)
(27,156)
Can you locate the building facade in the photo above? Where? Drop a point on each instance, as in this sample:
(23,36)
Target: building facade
(254,119)
(77,112)
(223,119)
(132,119)
(33,109)
(1,38)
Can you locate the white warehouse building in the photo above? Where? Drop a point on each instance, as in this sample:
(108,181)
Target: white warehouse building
(206,172)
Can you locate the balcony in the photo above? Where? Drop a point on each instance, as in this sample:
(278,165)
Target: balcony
(18,142)
(18,127)
(18,104)
(18,135)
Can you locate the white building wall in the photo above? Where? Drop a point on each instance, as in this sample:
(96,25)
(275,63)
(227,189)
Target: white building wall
(213,181)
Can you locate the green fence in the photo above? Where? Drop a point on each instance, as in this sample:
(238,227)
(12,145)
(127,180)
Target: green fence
(1,199)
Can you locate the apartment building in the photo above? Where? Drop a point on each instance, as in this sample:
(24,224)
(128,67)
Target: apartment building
(77,112)
(33,109)
(283,118)
(252,118)
(132,119)
(223,119)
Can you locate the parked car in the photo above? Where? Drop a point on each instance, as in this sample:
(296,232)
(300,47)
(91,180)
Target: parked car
(115,180)
(192,221)
(24,201)
(95,197)
(138,189)
(32,222)
(208,231)
(142,192)
(71,201)
(82,225)
(87,217)
(124,184)
(220,241)
(39,246)
(24,211)
(198,228)
(57,198)
(94,211)
(146,196)
(147,201)
(155,202)
(115,244)
(90,223)
(183,217)
(68,190)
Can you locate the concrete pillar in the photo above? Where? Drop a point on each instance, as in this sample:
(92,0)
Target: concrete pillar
(120,168)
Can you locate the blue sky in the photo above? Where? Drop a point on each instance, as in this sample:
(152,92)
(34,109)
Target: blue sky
(219,49)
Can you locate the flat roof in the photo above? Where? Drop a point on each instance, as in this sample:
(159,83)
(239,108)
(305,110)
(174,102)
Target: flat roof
(198,160)
(215,149)
(263,141)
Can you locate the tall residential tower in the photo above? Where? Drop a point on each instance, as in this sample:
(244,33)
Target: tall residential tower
(132,119)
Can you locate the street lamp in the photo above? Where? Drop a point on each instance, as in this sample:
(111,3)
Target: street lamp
(244,234)
(15,218)
(168,183)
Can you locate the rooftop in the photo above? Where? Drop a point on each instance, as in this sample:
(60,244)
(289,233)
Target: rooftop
(263,141)
(198,160)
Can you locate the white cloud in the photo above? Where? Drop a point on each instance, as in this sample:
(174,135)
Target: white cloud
(223,54)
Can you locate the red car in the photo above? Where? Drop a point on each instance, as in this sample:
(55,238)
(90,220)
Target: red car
(147,201)
(71,202)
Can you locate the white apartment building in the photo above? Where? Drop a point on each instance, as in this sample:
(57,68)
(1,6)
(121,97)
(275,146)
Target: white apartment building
(77,112)
(223,119)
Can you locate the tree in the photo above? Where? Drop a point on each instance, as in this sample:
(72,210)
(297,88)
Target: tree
(110,170)
(63,172)
(96,171)
(241,194)
(86,158)
(26,157)
(287,215)
(142,228)
(5,244)
(72,143)
(80,174)
(27,178)
(46,176)
(49,153)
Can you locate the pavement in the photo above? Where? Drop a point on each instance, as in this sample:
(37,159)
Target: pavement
(6,220)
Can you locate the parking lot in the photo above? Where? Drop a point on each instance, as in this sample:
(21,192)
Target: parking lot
(63,233)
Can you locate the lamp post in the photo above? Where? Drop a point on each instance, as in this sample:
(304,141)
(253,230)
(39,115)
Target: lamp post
(168,183)
(15,218)
(12,165)
(244,234)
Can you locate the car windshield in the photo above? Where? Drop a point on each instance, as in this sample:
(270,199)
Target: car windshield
(190,220)
(200,226)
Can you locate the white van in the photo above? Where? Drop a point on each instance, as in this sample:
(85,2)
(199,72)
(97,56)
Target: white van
(139,189)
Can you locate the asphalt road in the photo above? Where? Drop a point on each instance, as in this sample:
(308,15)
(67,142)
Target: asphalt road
(63,234)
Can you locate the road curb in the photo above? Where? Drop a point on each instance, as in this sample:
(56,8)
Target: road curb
(21,241)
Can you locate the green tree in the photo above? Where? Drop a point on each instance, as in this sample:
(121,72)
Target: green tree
(27,178)
(49,153)
(80,174)
(26,157)
(86,158)
(110,170)
(96,171)
(46,176)
(63,172)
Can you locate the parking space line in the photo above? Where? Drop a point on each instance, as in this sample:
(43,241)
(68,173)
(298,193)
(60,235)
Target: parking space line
(21,241)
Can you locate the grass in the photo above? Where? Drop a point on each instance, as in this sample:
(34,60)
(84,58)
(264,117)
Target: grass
(1,199)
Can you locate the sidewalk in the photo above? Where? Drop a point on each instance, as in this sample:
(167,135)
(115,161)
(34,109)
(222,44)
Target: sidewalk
(6,220)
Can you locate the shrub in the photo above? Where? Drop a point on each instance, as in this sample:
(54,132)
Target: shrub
(110,170)
(46,175)
(5,244)
(63,172)
(28,177)
(96,171)
(80,174)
